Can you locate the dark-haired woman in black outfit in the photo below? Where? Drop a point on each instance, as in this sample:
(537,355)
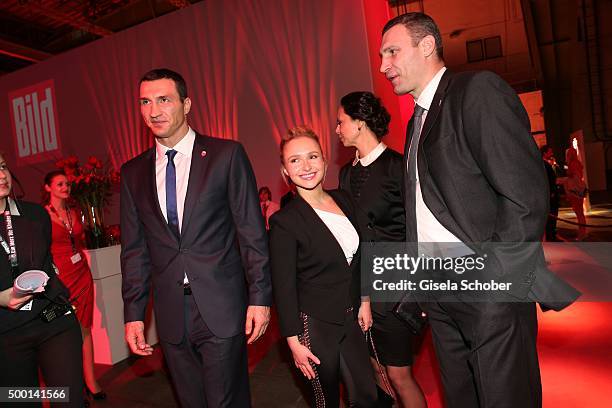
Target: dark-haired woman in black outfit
(374,179)
(27,343)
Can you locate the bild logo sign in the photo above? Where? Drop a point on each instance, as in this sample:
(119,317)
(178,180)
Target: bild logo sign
(34,119)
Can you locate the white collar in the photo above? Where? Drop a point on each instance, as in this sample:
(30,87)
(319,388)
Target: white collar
(429,92)
(12,206)
(184,147)
(370,157)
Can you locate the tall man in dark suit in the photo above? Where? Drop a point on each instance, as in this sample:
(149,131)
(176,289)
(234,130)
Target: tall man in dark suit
(191,227)
(474,175)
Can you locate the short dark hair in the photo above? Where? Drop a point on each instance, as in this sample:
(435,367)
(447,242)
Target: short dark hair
(363,105)
(165,73)
(419,25)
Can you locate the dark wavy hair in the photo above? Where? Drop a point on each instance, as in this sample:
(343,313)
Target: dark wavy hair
(45,196)
(363,105)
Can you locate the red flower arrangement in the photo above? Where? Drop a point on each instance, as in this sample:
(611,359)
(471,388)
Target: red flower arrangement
(91,186)
(91,183)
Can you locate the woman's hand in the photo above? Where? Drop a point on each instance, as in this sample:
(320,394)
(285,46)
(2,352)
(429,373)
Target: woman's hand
(10,300)
(365,316)
(302,357)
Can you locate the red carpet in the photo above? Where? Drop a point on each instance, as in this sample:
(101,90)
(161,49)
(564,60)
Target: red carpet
(574,345)
(575,350)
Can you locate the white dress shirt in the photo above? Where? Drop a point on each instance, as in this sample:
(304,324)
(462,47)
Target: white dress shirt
(182,163)
(429,228)
(342,229)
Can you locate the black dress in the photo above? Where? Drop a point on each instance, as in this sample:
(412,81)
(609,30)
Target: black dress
(378,191)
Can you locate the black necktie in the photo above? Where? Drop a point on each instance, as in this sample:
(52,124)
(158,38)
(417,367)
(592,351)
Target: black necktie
(171,208)
(415,134)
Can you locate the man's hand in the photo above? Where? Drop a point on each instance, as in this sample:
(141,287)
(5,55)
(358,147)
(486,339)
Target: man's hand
(257,320)
(134,337)
(10,300)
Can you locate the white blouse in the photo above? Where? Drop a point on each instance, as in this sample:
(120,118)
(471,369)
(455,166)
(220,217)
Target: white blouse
(343,231)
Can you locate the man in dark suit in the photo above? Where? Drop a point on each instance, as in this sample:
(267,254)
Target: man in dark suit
(474,175)
(191,227)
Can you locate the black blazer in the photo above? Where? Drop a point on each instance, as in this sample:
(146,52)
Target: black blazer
(380,206)
(222,238)
(32,231)
(482,177)
(309,269)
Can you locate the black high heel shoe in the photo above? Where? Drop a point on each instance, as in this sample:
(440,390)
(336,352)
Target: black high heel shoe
(96,396)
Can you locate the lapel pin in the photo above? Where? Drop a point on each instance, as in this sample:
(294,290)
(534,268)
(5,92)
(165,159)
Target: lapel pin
(203,154)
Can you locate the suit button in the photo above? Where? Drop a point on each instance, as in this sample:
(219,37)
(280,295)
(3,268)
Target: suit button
(179,283)
(184,250)
(370,226)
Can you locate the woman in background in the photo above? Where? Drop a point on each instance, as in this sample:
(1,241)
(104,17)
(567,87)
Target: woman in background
(314,252)
(268,207)
(575,189)
(67,249)
(40,332)
(375,180)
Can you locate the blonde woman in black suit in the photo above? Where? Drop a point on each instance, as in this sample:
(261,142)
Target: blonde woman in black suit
(314,248)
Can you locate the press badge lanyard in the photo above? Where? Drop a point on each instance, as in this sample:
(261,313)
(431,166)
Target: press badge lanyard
(10,248)
(67,225)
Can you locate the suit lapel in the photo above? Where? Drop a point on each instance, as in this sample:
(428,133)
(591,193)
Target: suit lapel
(436,106)
(350,214)
(312,218)
(151,182)
(437,206)
(197,172)
(340,201)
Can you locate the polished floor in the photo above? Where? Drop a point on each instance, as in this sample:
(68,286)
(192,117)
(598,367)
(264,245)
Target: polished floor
(574,346)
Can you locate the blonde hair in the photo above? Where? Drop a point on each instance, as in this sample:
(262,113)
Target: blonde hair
(294,133)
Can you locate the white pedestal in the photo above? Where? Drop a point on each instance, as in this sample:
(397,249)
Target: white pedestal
(107,329)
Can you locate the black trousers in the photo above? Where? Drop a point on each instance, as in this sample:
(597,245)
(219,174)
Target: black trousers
(551,222)
(487,353)
(208,371)
(54,347)
(344,356)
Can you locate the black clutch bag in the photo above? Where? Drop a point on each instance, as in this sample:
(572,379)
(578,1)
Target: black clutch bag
(409,311)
